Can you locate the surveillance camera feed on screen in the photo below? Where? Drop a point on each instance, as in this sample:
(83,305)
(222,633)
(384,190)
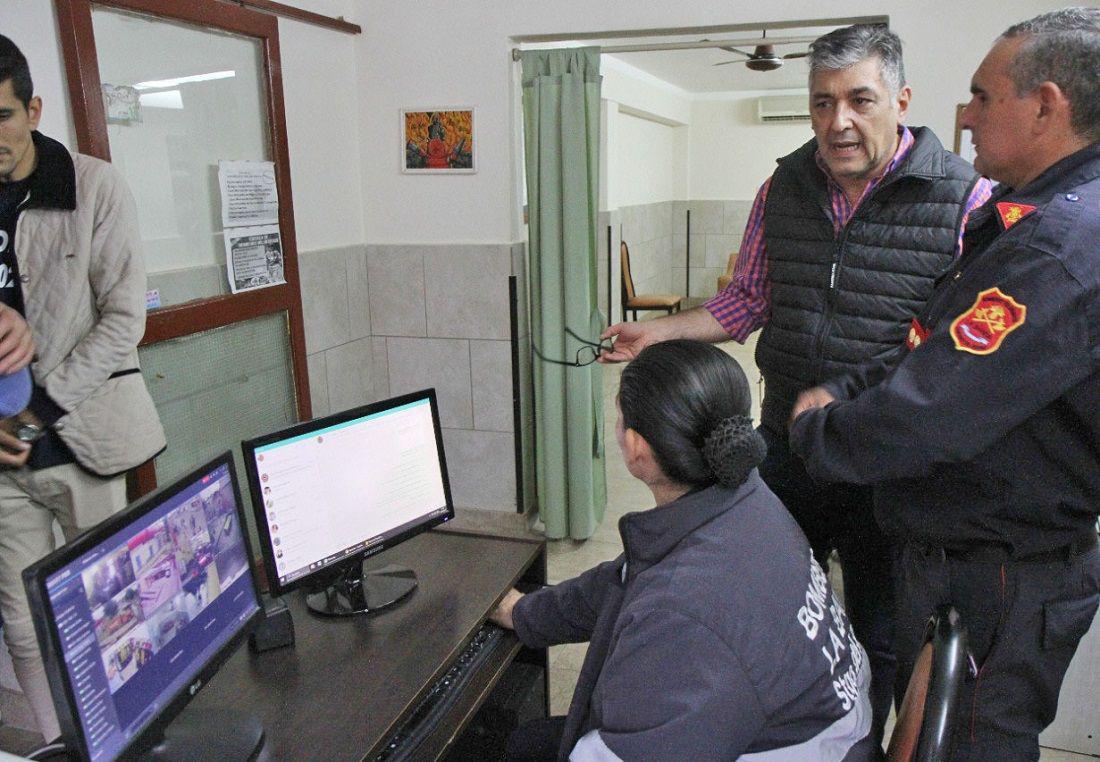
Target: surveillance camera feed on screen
(335,490)
(141,612)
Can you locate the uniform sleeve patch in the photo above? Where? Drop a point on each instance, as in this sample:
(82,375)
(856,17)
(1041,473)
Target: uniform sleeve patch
(981,329)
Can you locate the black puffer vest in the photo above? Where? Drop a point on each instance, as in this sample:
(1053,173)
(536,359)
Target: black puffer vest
(838,300)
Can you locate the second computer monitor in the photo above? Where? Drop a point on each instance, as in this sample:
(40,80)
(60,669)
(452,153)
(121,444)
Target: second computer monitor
(330,492)
(135,616)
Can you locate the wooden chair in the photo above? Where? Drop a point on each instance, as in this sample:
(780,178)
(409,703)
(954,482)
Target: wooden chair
(724,280)
(630,301)
(926,719)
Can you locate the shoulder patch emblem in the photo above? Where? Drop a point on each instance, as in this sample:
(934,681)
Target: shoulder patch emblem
(1011,213)
(981,329)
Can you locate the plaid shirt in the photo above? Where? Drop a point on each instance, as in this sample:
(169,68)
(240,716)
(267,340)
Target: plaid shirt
(743,306)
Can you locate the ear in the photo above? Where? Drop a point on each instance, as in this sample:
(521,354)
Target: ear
(640,460)
(904,96)
(34,111)
(1054,111)
(633,445)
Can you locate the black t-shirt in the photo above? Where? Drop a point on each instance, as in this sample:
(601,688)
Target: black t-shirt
(11,196)
(50,450)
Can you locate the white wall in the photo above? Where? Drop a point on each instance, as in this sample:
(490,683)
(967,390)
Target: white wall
(33,27)
(641,91)
(321,92)
(649,162)
(320,87)
(731,152)
(706,146)
(644,135)
(445,53)
(344,94)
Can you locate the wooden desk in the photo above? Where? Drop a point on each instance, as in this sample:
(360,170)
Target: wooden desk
(345,686)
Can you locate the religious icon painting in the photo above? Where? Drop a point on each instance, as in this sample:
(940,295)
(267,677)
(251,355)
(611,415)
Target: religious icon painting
(438,141)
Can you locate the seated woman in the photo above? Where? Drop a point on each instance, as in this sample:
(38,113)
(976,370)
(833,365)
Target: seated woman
(715,635)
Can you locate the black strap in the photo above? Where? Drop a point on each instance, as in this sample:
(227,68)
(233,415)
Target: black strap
(121,373)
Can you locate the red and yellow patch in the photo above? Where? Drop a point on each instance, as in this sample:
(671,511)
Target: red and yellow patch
(917,335)
(981,329)
(1012,213)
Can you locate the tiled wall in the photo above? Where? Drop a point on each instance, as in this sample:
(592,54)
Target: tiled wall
(383,320)
(657,236)
(716,229)
(648,231)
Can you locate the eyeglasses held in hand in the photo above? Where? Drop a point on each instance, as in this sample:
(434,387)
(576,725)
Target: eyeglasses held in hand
(586,355)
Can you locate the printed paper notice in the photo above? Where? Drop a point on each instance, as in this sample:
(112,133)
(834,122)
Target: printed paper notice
(254,257)
(249,195)
(122,102)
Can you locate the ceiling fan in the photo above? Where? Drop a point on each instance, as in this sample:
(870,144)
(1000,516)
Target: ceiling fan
(763,57)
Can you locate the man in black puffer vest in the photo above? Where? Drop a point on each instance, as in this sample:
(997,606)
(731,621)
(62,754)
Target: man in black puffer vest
(843,246)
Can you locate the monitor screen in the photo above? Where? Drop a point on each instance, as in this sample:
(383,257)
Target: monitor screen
(134,612)
(334,490)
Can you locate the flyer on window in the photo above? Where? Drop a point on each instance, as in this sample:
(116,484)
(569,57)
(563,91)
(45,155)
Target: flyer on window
(249,193)
(254,257)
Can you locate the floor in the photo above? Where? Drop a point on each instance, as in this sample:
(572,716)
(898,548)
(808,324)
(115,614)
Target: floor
(569,558)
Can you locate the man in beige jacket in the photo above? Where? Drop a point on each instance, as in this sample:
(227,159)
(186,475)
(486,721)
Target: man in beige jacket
(71,268)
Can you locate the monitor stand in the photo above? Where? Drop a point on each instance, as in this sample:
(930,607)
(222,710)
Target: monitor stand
(359,591)
(221,734)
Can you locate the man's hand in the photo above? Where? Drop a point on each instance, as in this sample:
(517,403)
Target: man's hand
(631,339)
(502,614)
(811,398)
(16,342)
(13,451)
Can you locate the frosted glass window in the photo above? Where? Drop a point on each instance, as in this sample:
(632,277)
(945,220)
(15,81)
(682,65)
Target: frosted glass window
(215,388)
(200,98)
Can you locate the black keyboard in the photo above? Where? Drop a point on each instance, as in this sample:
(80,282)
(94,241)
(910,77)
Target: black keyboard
(442,696)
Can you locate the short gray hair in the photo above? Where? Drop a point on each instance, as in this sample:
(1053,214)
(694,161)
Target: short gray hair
(848,46)
(1062,47)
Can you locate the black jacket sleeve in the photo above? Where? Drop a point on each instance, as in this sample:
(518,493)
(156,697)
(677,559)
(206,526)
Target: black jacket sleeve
(862,378)
(945,405)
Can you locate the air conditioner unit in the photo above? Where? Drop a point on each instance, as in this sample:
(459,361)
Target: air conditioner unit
(783,108)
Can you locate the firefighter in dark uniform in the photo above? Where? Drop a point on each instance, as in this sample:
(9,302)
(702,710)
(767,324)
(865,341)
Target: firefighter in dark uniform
(982,433)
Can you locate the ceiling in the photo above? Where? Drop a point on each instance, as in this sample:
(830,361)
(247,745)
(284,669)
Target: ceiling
(695,70)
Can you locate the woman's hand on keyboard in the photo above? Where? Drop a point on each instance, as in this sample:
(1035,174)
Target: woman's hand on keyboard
(502,614)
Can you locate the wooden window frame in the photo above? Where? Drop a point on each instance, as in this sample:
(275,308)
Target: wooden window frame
(82,69)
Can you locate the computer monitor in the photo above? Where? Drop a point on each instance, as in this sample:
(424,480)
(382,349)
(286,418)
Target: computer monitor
(134,616)
(329,493)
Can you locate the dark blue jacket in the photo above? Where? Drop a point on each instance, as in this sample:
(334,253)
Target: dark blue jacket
(986,430)
(713,636)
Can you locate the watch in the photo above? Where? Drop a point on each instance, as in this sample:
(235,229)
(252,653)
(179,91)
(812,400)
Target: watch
(28,432)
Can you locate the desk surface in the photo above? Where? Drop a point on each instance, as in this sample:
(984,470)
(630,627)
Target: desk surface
(341,690)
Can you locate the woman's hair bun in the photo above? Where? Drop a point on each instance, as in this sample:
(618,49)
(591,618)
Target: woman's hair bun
(733,449)
(673,393)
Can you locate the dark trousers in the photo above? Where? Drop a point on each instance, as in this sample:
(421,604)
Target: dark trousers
(1024,620)
(839,516)
(536,741)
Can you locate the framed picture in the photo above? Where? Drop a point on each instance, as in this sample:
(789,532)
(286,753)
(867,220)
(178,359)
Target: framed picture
(438,141)
(963,146)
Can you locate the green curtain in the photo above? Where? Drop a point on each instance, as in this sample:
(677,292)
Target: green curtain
(561,120)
